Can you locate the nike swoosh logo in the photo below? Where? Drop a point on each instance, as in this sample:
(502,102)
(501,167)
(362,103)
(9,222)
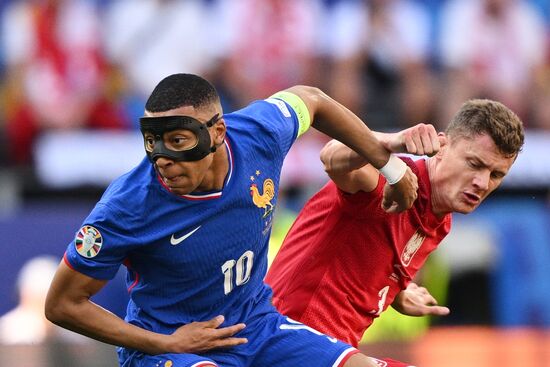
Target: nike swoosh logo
(176,241)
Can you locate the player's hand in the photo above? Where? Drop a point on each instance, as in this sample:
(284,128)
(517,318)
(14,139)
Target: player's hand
(417,301)
(203,336)
(421,139)
(401,195)
(387,362)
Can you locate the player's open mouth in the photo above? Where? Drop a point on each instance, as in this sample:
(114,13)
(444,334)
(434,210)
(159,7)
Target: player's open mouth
(472,198)
(171,180)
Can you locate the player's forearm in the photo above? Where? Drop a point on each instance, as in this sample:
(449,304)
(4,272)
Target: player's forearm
(89,319)
(335,120)
(339,159)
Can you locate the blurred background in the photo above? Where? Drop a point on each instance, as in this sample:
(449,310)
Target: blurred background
(74,76)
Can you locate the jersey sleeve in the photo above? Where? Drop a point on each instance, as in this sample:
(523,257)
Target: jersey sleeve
(275,123)
(100,245)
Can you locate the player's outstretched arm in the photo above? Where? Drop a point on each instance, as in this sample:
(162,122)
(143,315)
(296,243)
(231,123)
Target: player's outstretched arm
(351,172)
(417,301)
(68,305)
(338,122)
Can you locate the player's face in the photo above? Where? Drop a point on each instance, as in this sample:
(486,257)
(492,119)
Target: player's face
(185,177)
(467,172)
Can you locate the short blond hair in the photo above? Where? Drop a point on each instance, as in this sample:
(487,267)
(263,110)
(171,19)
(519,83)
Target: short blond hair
(484,116)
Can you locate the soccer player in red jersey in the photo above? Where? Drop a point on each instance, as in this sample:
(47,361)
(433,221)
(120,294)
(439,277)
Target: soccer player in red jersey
(347,257)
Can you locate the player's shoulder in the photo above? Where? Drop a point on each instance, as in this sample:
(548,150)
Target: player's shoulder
(267,122)
(129,192)
(261,109)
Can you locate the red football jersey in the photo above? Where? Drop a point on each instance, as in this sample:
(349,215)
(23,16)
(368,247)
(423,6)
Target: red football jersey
(344,260)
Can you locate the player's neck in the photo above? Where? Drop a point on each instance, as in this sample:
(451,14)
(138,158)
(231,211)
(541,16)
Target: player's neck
(435,194)
(219,168)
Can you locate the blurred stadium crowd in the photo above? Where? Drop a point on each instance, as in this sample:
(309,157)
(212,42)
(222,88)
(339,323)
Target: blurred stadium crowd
(89,64)
(74,76)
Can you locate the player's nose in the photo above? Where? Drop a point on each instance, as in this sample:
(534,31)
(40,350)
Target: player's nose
(163,162)
(481,180)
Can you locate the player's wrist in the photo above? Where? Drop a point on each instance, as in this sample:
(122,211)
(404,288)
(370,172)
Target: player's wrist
(160,344)
(394,170)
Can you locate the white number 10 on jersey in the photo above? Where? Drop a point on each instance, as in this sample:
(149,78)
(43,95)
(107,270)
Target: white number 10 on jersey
(237,273)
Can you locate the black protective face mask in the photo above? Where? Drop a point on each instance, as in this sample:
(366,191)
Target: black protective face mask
(158,126)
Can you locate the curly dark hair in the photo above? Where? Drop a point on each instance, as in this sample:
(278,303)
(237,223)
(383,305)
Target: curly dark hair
(179,90)
(484,116)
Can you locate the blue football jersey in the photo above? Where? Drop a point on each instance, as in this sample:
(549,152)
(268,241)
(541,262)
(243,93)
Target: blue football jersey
(192,257)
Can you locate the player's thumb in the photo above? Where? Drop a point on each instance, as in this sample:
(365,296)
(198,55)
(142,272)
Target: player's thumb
(386,203)
(387,197)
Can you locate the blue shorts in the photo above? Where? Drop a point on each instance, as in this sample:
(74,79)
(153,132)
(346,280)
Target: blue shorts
(273,340)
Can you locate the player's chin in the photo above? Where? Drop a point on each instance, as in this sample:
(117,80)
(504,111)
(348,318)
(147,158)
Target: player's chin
(179,191)
(180,185)
(181,188)
(466,208)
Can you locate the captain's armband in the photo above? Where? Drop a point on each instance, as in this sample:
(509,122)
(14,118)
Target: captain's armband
(299,107)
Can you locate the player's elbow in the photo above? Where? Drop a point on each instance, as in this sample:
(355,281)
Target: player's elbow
(324,160)
(326,155)
(313,97)
(306,91)
(56,310)
(51,311)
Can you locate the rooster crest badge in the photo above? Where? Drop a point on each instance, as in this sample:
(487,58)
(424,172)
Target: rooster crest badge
(263,200)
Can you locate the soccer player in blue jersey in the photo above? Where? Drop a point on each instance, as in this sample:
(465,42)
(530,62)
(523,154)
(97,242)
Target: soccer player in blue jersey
(191,223)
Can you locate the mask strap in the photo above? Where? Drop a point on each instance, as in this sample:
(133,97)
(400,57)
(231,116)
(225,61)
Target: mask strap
(211,123)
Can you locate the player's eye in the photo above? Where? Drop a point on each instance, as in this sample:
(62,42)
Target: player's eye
(182,142)
(149,143)
(179,140)
(473,165)
(497,175)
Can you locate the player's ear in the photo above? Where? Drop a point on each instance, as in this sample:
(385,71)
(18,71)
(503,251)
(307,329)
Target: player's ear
(442,139)
(219,129)
(443,142)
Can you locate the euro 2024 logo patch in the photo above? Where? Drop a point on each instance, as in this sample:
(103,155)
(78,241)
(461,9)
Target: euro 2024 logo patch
(88,241)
